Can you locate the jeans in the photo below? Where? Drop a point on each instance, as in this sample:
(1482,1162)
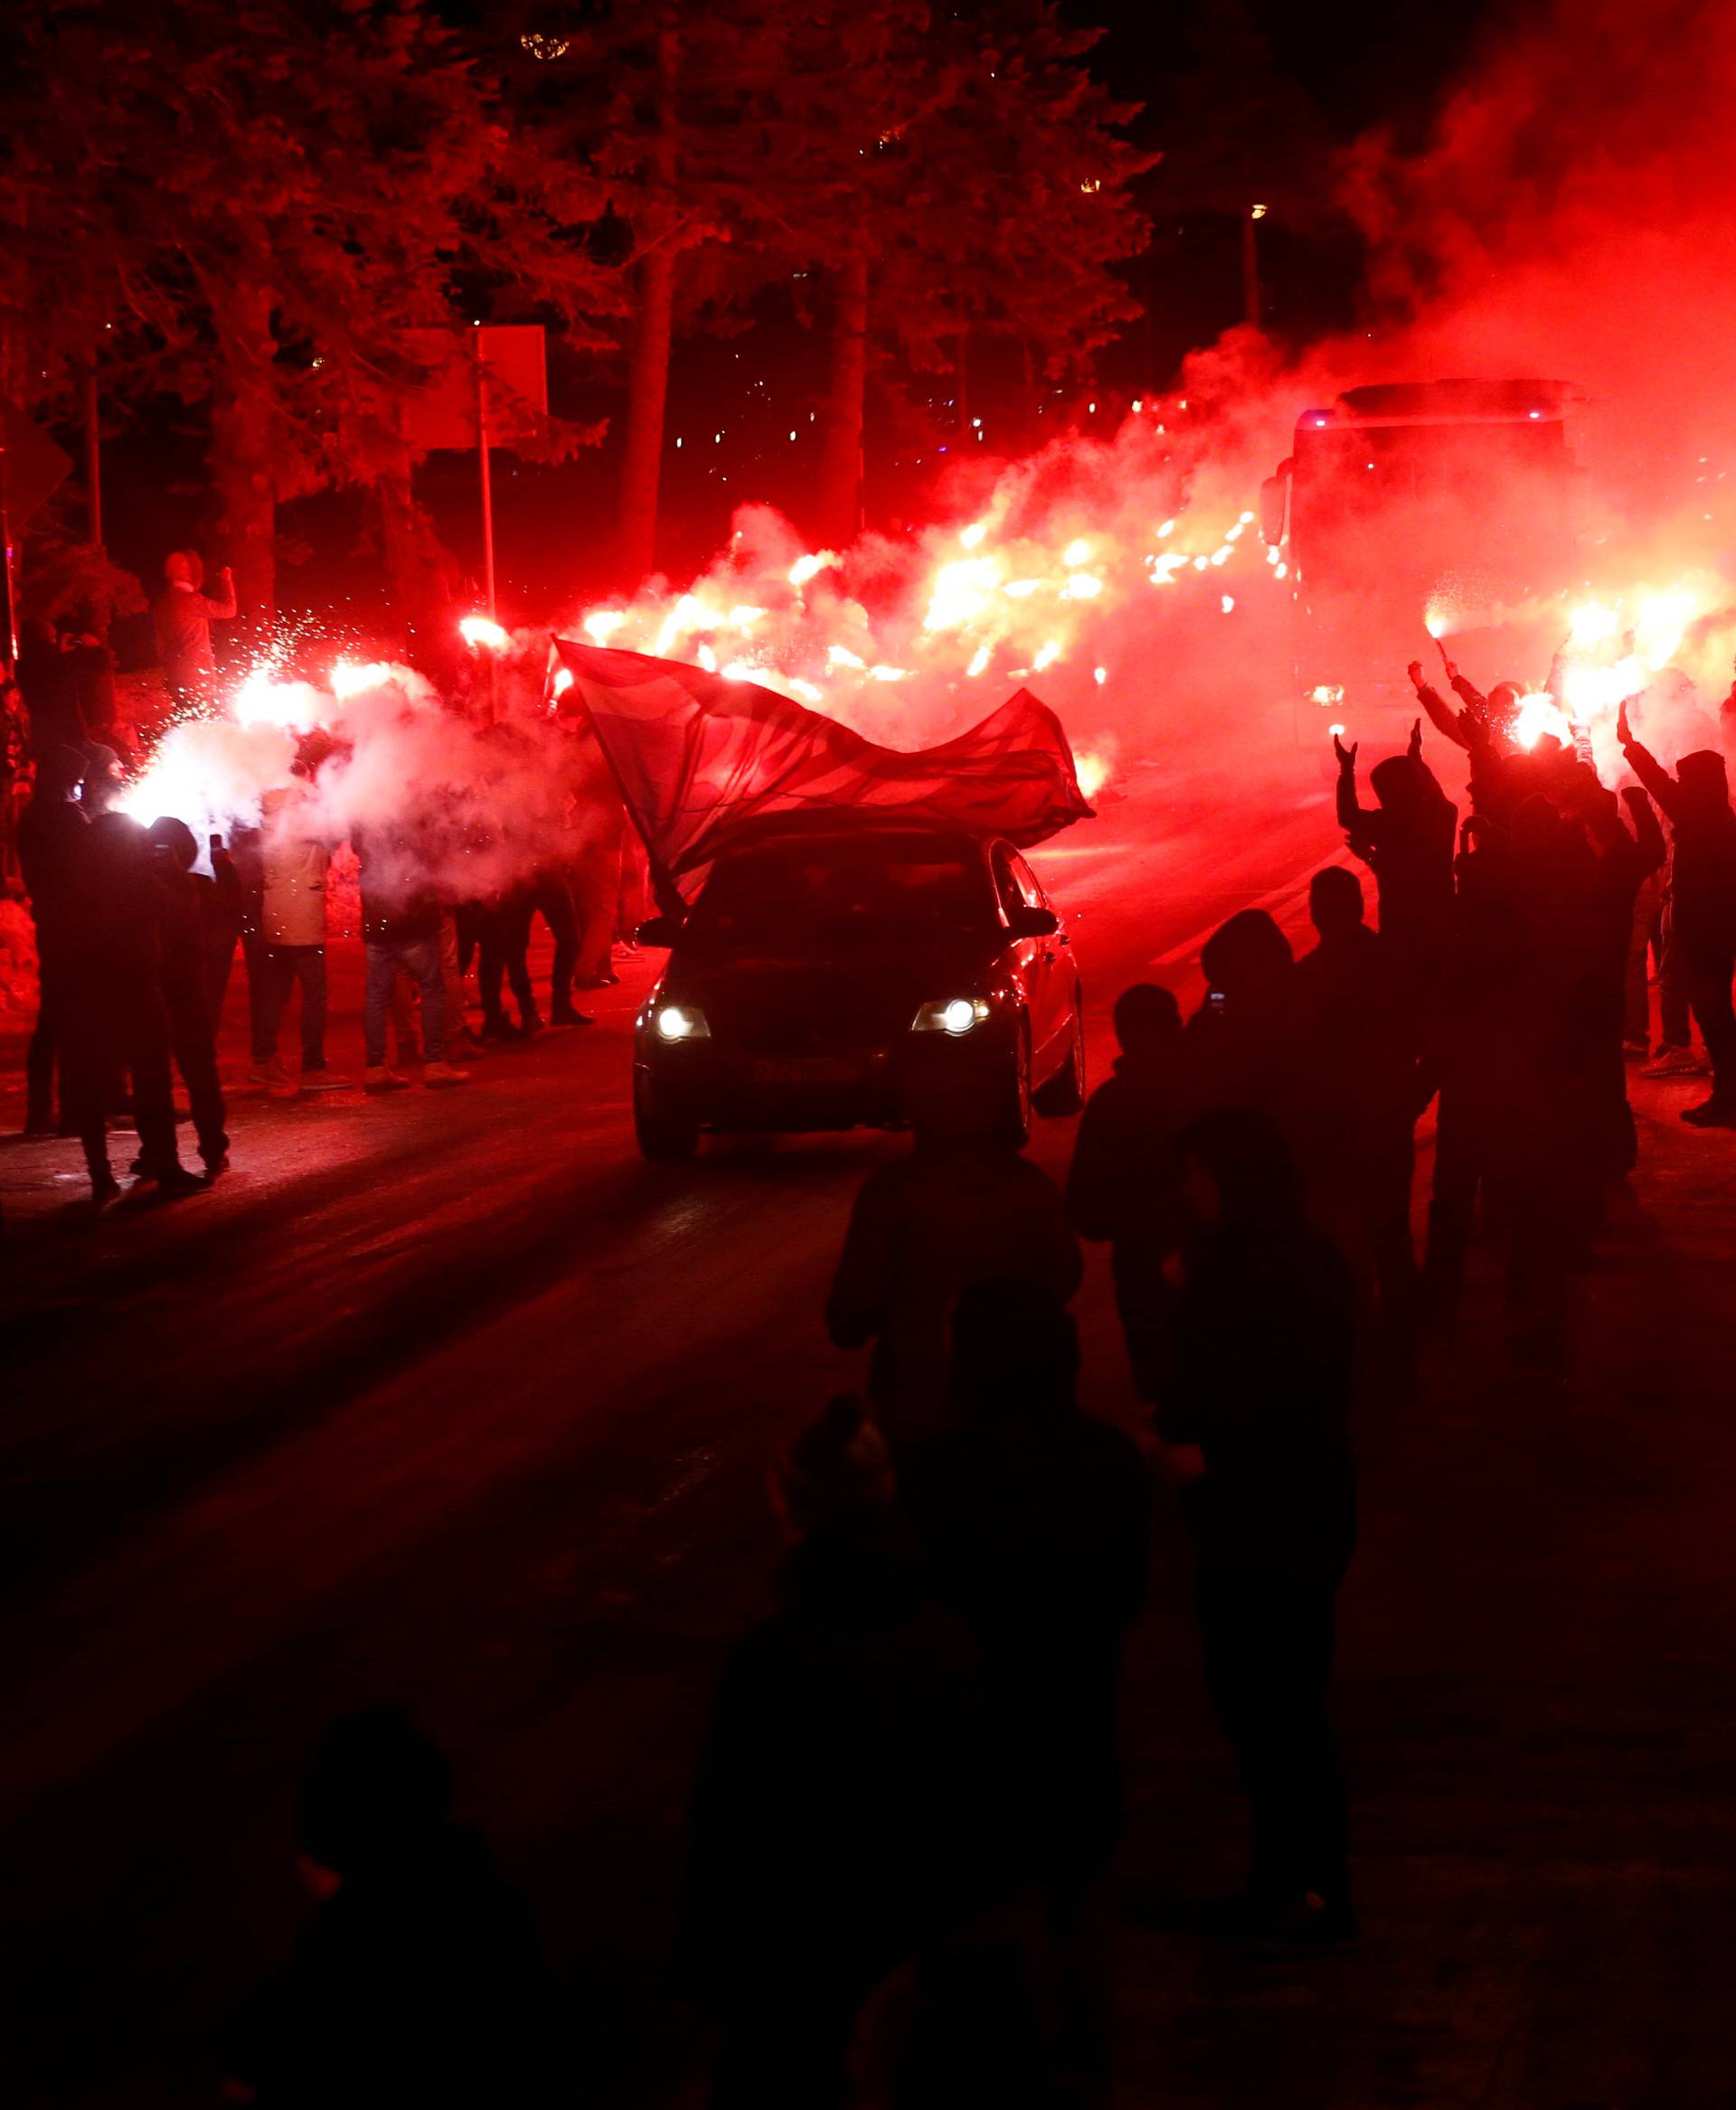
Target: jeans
(285,966)
(419,958)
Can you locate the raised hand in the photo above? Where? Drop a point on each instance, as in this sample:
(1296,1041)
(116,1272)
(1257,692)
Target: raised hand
(1415,672)
(1414,750)
(1346,755)
(1624,732)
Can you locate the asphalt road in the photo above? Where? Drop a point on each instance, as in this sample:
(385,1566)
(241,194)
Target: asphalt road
(448,1399)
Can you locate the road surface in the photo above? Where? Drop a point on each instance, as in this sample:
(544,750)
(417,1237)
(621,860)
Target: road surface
(448,1399)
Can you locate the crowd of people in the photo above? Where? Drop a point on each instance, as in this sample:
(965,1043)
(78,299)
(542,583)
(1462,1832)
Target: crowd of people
(138,927)
(911,1788)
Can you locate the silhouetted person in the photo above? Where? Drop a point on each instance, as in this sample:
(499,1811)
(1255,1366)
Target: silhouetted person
(293,860)
(1036,1518)
(962,1207)
(49,681)
(121,974)
(54,852)
(415,1979)
(1406,840)
(225,922)
(1702,884)
(837,1826)
(1356,1044)
(1124,1183)
(1240,1043)
(506,958)
(401,932)
(184,942)
(183,614)
(1253,1432)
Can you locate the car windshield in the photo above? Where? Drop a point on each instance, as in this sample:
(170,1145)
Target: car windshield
(791,894)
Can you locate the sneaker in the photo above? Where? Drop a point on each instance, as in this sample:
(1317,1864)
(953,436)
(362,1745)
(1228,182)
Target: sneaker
(323,1079)
(626,948)
(1636,1044)
(439,1074)
(1712,1113)
(569,1016)
(267,1073)
(381,1080)
(174,1181)
(283,1086)
(1675,1062)
(499,1029)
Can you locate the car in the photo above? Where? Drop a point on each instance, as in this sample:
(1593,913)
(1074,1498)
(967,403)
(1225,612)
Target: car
(834,965)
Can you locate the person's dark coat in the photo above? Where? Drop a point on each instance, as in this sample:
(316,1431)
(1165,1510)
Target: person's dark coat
(1036,1525)
(836,1822)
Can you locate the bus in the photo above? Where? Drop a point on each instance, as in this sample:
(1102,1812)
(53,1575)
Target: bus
(1420,510)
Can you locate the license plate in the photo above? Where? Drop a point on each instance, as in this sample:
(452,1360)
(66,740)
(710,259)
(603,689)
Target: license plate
(808,1070)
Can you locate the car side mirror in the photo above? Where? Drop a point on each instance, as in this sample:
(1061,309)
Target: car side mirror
(1028,922)
(659,930)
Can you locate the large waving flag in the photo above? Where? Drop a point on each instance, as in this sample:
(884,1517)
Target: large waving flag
(696,755)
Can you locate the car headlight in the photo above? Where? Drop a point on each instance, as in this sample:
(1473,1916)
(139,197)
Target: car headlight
(950,1014)
(680,1022)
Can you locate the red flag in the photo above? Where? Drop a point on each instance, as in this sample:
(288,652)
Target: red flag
(696,755)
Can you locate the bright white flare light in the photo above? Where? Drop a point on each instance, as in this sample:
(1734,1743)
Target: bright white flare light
(478,630)
(959,1015)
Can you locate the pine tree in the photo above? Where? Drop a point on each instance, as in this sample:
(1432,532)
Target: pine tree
(269,195)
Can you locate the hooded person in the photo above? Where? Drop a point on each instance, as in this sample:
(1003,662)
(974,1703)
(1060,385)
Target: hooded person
(182,617)
(836,1829)
(123,1018)
(295,854)
(1406,840)
(1035,1521)
(1124,1183)
(1702,902)
(416,1978)
(186,913)
(1253,1433)
(963,1205)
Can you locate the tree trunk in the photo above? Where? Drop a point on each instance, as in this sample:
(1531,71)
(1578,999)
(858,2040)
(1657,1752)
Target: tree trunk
(242,472)
(648,392)
(648,375)
(838,520)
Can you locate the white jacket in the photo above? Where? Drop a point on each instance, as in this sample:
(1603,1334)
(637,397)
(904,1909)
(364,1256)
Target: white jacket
(295,861)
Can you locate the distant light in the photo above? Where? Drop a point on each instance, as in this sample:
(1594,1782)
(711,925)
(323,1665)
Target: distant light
(1260,212)
(1228,602)
(1137,403)
(1335,733)
(1327,692)
(959,1015)
(1091,408)
(1535,413)
(1100,674)
(1076,553)
(477,630)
